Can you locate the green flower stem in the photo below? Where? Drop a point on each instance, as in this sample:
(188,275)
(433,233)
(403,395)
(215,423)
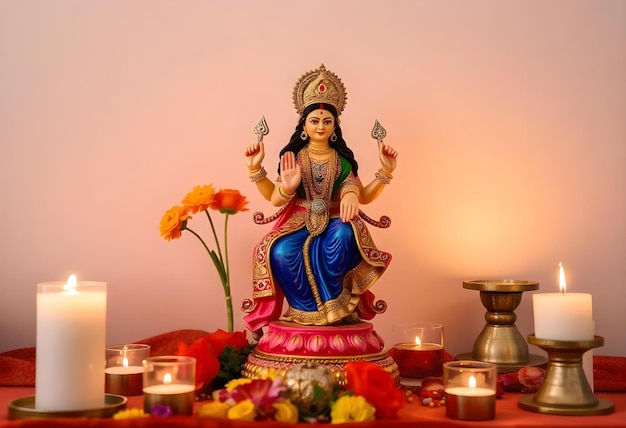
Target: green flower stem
(223,274)
(227,268)
(200,238)
(226,277)
(217,242)
(229,300)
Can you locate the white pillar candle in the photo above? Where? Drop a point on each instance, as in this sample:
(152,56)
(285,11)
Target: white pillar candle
(563,316)
(71,328)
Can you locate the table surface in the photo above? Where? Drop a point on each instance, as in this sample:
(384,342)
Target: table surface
(508,414)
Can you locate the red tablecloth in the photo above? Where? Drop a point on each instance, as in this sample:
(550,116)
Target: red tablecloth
(508,414)
(17,380)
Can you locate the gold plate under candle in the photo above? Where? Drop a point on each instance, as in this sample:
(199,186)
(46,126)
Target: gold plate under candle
(603,407)
(501,285)
(23,408)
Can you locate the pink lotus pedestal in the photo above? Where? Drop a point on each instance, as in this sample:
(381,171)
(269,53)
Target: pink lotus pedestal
(286,344)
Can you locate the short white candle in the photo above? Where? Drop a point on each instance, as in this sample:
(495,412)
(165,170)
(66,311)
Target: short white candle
(168,388)
(563,316)
(465,391)
(120,370)
(71,327)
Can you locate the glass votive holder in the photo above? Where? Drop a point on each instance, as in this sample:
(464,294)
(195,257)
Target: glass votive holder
(418,351)
(470,388)
(124,368)
(169,381)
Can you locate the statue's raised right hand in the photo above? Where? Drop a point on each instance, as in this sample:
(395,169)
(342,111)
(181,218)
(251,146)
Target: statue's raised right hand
(290,172)
(254,156)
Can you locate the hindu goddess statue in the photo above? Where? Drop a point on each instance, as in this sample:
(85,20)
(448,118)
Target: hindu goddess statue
(319,256)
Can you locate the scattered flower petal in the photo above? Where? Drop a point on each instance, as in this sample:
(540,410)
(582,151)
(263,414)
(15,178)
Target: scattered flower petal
(214,409)
(130,414)
(161,411)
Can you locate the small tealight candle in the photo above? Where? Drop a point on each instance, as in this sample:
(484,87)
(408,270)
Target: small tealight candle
(418,351)
(470,388)
(169,381)
(124,368)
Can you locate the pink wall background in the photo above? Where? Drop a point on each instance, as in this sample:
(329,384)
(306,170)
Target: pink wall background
(509,118)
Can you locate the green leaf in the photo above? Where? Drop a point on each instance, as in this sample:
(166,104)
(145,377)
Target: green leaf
(218,266)
(318,392)
(231,364)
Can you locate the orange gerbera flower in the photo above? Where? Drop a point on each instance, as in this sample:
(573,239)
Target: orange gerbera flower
(200,198)
(173,222)
(229,201)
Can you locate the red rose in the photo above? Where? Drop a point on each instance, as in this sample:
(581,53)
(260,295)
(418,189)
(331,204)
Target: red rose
(206,351)
(207,364)
(377,386)
(220,339)
(229,201)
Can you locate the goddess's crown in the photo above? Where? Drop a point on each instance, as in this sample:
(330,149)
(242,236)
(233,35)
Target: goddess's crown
(319,86)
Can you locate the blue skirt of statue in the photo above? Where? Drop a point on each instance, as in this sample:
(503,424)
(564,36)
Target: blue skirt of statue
(332,254)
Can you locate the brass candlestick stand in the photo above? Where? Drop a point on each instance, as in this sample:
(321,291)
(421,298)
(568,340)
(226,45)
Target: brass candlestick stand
(565,390)
(500,342)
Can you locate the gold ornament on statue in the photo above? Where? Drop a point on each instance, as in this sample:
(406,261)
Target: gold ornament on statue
(378,132)
(319,86)
(310,387)
(261,129)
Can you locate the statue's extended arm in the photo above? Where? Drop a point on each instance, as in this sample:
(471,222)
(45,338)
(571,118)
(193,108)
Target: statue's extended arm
(254,157)
(290,174)
(388,161)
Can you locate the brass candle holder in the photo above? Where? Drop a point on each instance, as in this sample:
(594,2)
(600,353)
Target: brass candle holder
(500,342)
(565,389)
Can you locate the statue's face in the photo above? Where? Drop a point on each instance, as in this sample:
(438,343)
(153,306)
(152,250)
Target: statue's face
(319,125)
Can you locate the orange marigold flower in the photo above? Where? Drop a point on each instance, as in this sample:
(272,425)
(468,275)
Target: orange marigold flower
(173,222)
(229,201)
(199,199)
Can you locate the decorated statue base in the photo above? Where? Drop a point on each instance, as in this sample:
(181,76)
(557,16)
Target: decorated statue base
(286,344)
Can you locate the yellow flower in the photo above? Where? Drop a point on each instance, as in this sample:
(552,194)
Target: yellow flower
(285,411)
(131,413)
(270,374)
(351,409)
(214,409)
(244,410)
(172,222)
(200,198)
(236,382)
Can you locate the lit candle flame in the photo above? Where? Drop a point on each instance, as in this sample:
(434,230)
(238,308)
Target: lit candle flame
(125,362)
(472,382)
(70,286)
(418,342)
(167,379)
(562,284)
